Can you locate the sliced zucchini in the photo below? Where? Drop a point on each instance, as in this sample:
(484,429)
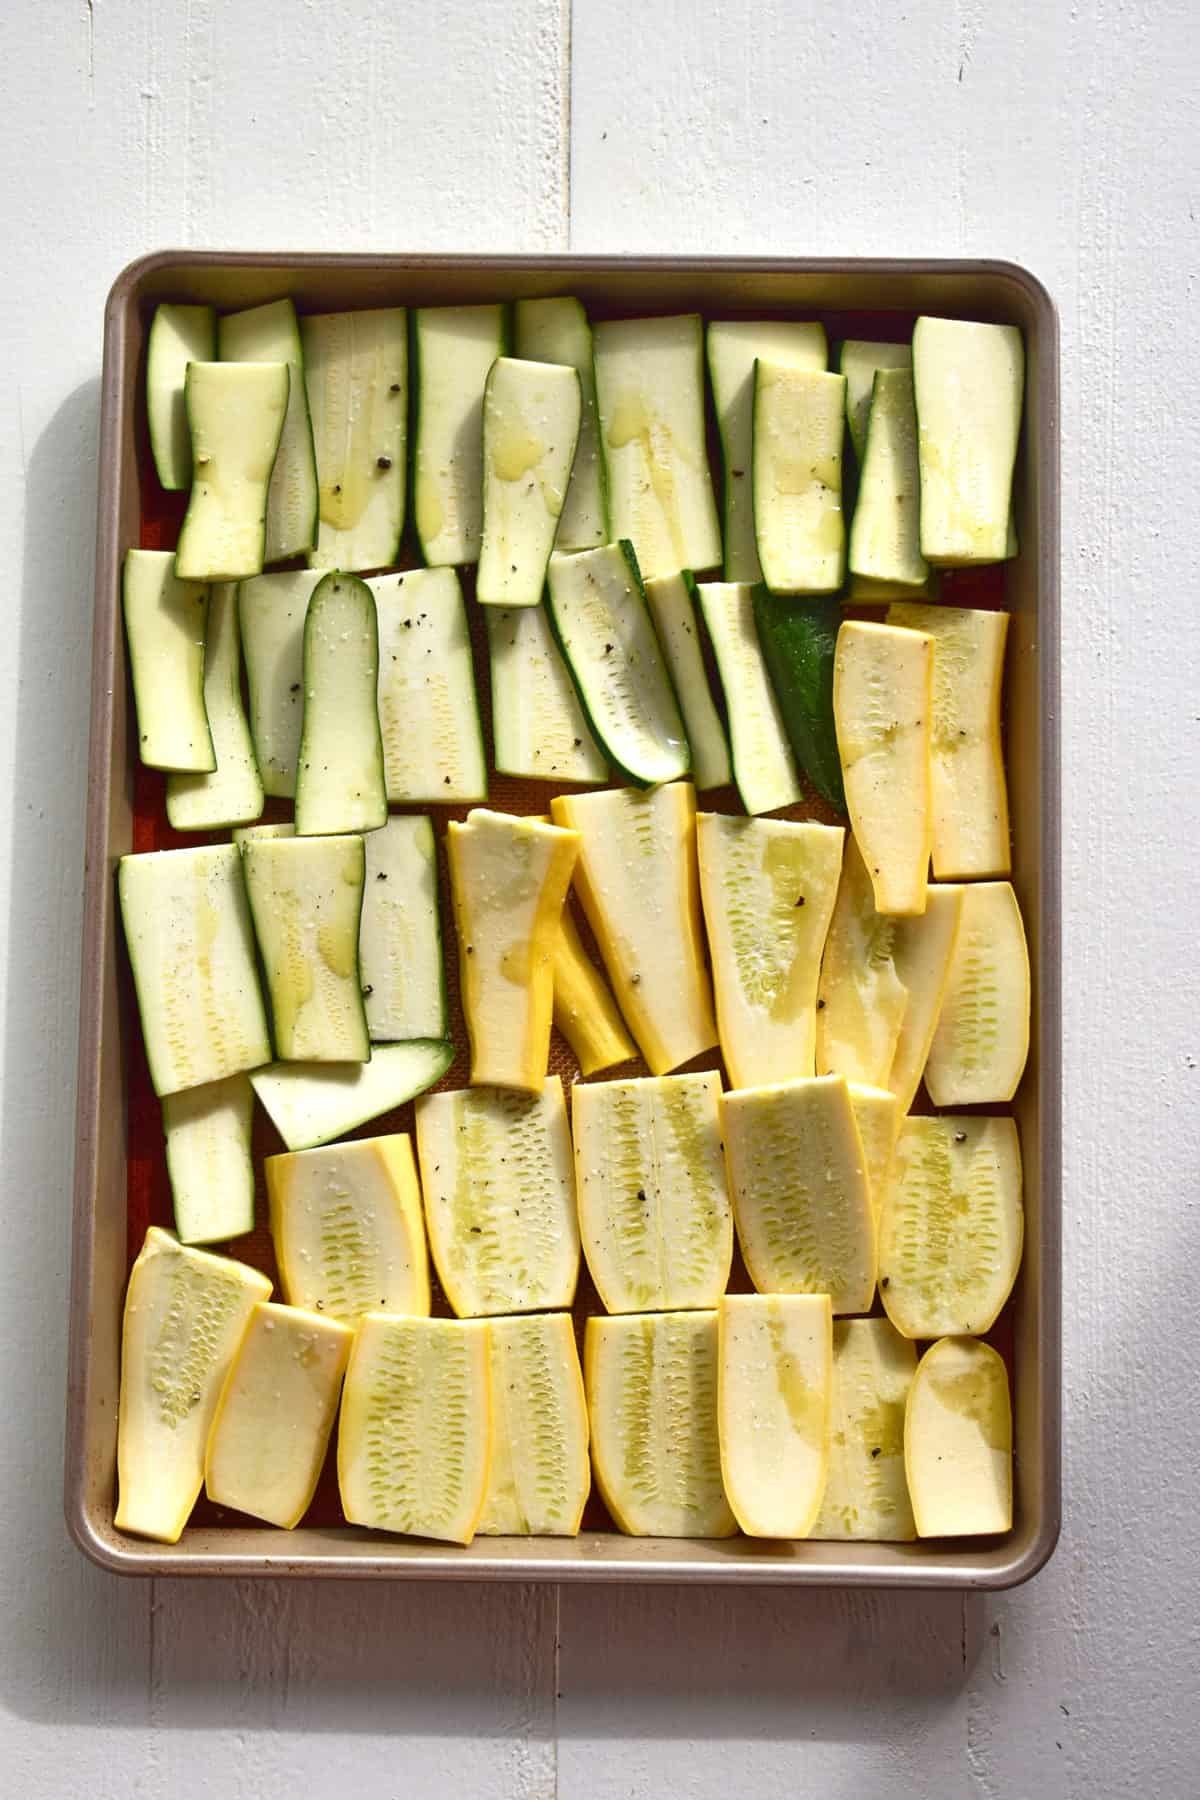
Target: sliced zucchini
(637,882)
(800,1197)
(311,1103)
(860,591)
(268,1441)
(982,1038)
(166,621)
(208,1160)
(557,331)
(969,381)
(952,1225)
(776,1375)
(763,766)
(185,1313)
(672,603)
(970,795)
(877,1115)
(584,1010)
(232,794)
(958,1441)
(650,395)
(500,1198)
(923,948)
(414,1442)
(400,934)
(538,728)
(540,1475)
(860,362)
(882,708)
(885,539)
(866,1492)
(271,614)
(798,641)
(768,887)
(597,611)
(306,900)
(861,998)
(246,834)
(271,333)
(235,415)
(797,478)
(179,335)
(191,949)
(356,375)
(734,346)
(428,710)
(347,1228)
(651,1381)
(339,773)
(509,878)
(531,416)
(654,1212)
(454,347)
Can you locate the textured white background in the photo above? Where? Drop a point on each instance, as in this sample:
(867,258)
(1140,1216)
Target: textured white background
(1063,137)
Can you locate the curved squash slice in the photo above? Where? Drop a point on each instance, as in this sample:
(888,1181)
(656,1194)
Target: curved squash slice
(509,878)
(346,1221)
(654,1209)
(877,1115)
(209,1162)
(584,1010)
(883,712)
(866,1493)
(185,1313)
(861,1000)
(540,1474)
(414,1442)
(776,1366)
(500,1198)
(764,767)
(982,1038)
(800,1197)
(958,1440)
(269,1438)
(313,1103)
(637,882)
(306,896)
(923,949)
(970,795)
(768,887)
(651,1382)
(952,1225)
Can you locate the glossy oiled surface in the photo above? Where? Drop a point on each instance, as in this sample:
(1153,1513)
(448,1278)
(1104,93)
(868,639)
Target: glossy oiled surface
(1066,143)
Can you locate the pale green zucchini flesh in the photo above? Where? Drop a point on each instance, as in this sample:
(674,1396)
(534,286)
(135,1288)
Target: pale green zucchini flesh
(428,710)
(557,331)
(178,335)
(531,416)
(235,415)
(455,346)
(340,773)
(232,793)
(166,621)
(271,333)
(356,378)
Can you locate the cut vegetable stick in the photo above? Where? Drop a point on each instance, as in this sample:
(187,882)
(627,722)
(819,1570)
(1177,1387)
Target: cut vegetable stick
(866,1491)
(178,335)
(454,347)
(584,1010)
(540,1474)
(356,375)
(276,1412)
(969,381)
(400,934)
(982,1039)
(923,949)
(530,428)
(958,1441)
(859,361)
(235,415)
(654,1212)
(885,535)
(185,1313)
(232,793)
(271,613)
(861,999)
(775,1360)
(500,1198)
(671,599)
(166,621)
(539,730)
(798,524)
(428,709)
(310,1103)
(760,753)
(877,1115)
(557,331)
(414,1442)
(306,899)
(348,1230)
(651,1382)
(208,1160)
(340,782)
(271,333)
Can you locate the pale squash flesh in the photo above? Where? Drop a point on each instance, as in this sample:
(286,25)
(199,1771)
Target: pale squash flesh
(540,1474)
(774,1387)
(958,1441)
(923,948)
(877,1115)
(883,715)
(866,1492)
(861,999)
(584,1010)
(982,1039)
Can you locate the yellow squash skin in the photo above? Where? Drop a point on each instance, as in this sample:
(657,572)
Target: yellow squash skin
(185,1313)
(637,882)
(768,887)
(952,1225)
(584,1010)
(651,1381)
(970,794)
(414,1441)
(776,1375)
(883,715)
(958,1441)
(348,1231)
(982,1039)
(798,1177)
(509,878)
(540,1474)
(277,1408)
(866,1492)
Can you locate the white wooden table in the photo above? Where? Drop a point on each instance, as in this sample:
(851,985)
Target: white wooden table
(1063,138)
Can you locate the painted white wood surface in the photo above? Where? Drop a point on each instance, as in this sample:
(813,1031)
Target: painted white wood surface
(1064,137)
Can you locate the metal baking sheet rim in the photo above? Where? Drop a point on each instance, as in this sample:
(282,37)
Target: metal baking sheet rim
(95,1299)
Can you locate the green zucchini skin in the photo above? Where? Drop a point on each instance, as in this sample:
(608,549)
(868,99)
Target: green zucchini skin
(798,639)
